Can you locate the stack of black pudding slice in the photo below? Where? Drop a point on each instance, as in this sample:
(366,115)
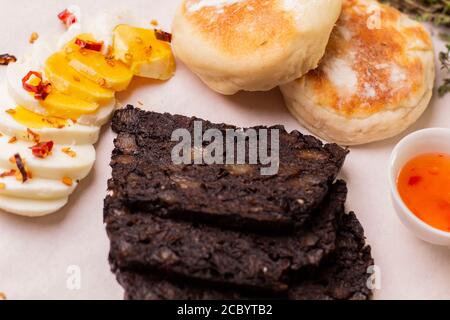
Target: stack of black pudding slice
(225,231)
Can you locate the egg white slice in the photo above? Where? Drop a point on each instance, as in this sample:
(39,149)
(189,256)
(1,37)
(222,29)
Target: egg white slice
(30,207)
(56,166)
(14,75)
(70,134)
(99,118)
(36,188)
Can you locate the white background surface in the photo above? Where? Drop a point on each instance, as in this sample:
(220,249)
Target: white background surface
(35,254)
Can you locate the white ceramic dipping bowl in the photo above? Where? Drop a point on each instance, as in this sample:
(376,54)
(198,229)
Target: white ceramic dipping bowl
(415,144)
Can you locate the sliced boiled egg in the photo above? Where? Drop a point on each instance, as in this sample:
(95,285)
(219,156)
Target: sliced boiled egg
(14,75)
(100,117)
(56,166)
(104,70)
(35,121)
(36,188)
(14,122)
(17,122)
(55,104)
(143,52)
(54,101)
(70,82)
(67,106)
(31,207)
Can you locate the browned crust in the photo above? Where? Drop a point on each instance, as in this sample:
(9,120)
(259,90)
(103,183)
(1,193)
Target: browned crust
(243,27)
(371,48)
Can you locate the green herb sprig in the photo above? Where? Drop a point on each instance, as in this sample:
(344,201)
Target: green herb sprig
(436,11)
(444,58)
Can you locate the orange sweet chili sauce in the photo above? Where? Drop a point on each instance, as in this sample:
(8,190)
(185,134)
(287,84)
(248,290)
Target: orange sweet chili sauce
(424,185)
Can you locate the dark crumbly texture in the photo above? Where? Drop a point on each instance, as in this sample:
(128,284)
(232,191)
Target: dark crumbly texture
(342,276)
(234,196)
(147,242)
(202,231)
(147,286)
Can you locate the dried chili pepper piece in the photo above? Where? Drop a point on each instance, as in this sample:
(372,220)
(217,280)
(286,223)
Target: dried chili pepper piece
(163,36)
(6,59)
(10,173)
(35,136)
(42,149)
(89,45)
(67,17)
(21,166)
(45,90)
(41,89)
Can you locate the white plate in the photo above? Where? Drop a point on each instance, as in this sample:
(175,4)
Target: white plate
(39,257)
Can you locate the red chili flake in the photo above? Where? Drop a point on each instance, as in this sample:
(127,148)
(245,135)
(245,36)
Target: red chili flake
(30,87)
(42,149)
(45,90)
(9,173)
(414,180)
(163,36)
(6,59)
(89,45)
(41,90)
(67,17)
(31,134)
(21,166)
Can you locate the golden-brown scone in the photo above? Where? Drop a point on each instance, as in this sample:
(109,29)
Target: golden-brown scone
(252,45)
(375,80)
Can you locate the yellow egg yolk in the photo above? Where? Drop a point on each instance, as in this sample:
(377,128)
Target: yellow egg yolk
(143,52)
(35,121)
